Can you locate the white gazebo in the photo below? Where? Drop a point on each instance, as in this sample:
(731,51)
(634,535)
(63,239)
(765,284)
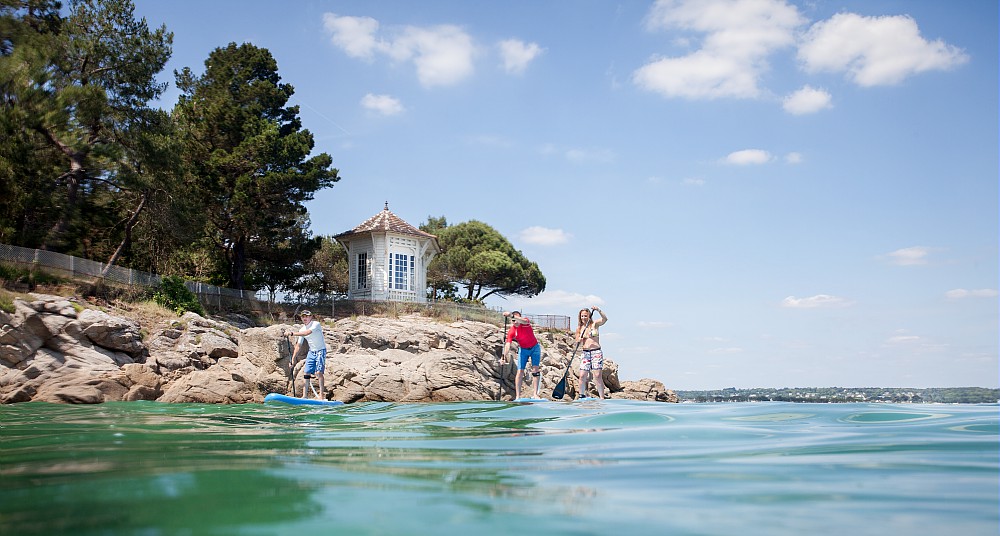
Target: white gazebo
(388,259)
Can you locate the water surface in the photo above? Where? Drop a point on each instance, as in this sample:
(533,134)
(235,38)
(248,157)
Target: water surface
(476,468)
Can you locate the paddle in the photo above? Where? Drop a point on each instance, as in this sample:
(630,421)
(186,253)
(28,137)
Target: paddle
(560,389)
(503,358)
(291,360)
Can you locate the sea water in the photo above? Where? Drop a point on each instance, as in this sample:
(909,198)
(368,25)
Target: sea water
(477,468)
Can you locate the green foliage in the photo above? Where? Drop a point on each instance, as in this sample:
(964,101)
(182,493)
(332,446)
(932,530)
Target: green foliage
(482,260)
(11,273)
(434,225)
(75,113)
(248,161)
(24,276)
(173,295)
(326,273)
(214,190)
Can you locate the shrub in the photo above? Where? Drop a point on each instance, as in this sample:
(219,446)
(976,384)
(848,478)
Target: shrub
(24,276)
(173,295)
(6,301)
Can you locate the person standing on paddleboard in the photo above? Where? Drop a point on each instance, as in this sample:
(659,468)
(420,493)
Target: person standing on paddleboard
(592,358)
(522,332)
(316,358)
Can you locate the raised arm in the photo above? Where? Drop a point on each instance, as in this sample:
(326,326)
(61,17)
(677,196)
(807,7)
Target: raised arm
(604,317)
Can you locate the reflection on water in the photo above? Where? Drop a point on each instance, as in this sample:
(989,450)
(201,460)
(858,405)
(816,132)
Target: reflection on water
(493,467)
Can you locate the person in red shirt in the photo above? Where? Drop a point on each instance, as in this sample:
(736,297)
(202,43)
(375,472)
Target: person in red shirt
(522,332)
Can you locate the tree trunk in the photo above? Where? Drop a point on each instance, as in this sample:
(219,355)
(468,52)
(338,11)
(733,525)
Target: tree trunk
(238,268)
(127,240)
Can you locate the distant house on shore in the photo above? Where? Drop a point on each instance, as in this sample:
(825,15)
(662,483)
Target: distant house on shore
(388,259)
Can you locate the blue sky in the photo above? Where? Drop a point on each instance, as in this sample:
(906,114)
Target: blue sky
(759,193)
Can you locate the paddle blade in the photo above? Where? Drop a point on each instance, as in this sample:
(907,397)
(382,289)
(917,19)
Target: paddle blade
(560,389)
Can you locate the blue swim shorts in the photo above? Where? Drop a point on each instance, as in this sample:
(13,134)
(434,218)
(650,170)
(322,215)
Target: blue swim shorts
(316,361)
(535,353)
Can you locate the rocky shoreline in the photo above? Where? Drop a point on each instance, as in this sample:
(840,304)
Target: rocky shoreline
(56,349)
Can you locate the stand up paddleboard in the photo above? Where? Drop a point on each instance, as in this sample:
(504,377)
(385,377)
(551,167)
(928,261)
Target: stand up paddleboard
(530,400)
(275,398)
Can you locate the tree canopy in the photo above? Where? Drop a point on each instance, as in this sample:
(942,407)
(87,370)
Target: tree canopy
(76,122)
(248,161)
(214,190)
(480,259)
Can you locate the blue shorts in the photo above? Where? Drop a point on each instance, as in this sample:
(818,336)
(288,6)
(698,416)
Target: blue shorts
(316,361)
(535,353)
(592,360)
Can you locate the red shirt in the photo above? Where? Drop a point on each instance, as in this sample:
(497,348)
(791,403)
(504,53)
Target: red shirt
(523,334)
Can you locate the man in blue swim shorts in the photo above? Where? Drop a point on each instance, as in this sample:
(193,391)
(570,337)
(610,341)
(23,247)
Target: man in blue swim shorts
(316,358)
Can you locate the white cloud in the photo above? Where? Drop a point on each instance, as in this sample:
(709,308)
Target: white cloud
(738,37)
(603,156)
(806,101)
(517,54)
(579,156)
(543,236)
(909,256)
(491,140)
(903,339)
(874,50)
(355,35)
(913,343)
(654,324)
(443,55)
(383,104)
(959,293)
(748,157)
(726,350)
(557,300)
(793,158)
(814,302)
(694,181)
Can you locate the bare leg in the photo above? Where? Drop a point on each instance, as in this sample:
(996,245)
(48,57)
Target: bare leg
(538,381)
(517,383)
(322,387)
(599,382)
(584,378)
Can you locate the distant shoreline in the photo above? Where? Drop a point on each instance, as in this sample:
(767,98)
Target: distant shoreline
(940,395)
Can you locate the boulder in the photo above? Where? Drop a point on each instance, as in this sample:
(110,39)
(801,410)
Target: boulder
(52,349)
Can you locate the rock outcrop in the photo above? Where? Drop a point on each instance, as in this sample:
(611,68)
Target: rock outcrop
(53,349)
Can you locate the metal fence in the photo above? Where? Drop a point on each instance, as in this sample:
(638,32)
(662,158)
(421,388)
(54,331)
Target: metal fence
(68,266)
(220,297)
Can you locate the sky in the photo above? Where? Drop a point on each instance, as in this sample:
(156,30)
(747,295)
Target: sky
(759,193)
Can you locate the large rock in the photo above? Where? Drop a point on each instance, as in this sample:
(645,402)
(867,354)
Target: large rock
(53,349)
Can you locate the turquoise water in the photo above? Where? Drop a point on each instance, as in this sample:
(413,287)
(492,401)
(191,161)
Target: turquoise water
(476,468)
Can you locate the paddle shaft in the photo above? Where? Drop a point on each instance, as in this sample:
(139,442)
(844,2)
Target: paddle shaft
(503,358)
(560,388)
(291,362)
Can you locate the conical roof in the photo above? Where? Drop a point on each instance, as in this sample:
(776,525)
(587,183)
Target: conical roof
(386,221)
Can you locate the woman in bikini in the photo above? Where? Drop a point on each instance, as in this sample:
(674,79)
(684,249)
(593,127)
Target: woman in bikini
(593,357)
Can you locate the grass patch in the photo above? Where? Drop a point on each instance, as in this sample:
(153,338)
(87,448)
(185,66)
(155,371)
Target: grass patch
(7,301)
(18,276)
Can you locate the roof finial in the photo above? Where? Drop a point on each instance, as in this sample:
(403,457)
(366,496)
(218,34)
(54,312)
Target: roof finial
(387,205)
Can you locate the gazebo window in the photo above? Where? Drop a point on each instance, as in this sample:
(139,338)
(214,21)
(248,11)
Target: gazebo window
(403,267)
(362,270)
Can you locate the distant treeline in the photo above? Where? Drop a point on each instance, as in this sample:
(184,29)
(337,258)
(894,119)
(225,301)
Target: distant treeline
(943,395)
